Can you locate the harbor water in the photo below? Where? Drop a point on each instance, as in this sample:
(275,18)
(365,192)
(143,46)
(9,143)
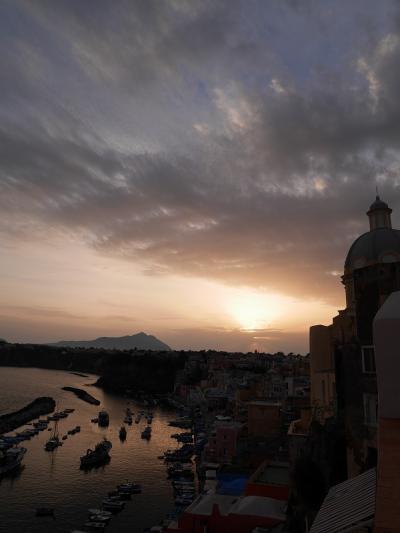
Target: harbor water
(54,479)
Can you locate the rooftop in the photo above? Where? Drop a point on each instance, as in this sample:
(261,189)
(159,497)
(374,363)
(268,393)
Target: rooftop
(247,505)
(276,473)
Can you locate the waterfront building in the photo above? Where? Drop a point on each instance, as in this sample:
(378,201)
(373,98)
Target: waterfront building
(218,513)
(223,441)
(343,377)
(264,418)
(369,501)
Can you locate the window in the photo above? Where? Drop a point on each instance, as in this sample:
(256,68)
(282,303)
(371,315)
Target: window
(323,391)
(368,359)
(370,409)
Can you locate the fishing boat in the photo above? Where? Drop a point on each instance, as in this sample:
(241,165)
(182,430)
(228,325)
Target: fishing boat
(111,505)
(10,459)
(54,440)
(95,525)
(130,487)
(100,512)
(103,419)
(146,433)
(98,456)
(100,518)
(122,433)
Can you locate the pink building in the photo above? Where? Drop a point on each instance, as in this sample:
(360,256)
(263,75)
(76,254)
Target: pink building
(222,443)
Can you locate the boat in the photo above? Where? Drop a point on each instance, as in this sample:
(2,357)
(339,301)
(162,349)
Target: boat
(95,525)
(112,505)
(69,410)
(10,459)
(100,512)
(146,433)
(65,437)
(130,487)
(94,420)
(179,500)
(54,440)
(122,433)
(44,511)
(77,429)
(97,456)
(103,419)
(100,518)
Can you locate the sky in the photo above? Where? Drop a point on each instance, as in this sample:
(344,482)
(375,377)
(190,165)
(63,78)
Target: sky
(193,169)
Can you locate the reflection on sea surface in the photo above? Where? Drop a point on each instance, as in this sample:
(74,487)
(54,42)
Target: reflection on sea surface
(54,479)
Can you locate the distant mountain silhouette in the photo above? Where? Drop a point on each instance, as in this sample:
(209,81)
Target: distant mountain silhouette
(141,341)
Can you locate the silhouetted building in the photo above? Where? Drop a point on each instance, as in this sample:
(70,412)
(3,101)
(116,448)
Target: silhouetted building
(343,376)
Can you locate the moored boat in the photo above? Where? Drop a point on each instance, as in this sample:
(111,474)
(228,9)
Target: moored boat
(146,433)
(94,512)
(103,419)
(98,456)
(10,459)
(122,433)
(95,525)
(112,505)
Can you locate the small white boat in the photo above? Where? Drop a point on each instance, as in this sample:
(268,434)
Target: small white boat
(95,525)
(99,518)
(113,505)
(99,512)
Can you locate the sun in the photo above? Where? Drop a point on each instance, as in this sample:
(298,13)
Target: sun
(253,311)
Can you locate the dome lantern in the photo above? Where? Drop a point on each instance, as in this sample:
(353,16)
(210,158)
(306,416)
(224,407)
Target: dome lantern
(379,215)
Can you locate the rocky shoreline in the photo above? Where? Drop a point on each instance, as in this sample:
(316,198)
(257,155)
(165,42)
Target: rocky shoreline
(83,395)
(40,406)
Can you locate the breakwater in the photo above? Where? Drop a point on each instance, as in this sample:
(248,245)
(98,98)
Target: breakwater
(83,395)
(40,406)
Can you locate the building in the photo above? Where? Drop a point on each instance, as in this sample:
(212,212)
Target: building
(223,442)
(369,501)
(216,513)
(271,479)
(343,377)
(264,418)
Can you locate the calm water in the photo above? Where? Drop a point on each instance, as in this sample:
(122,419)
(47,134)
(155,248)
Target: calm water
(53,479)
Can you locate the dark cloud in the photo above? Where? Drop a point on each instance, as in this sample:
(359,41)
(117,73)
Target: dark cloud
(195,138)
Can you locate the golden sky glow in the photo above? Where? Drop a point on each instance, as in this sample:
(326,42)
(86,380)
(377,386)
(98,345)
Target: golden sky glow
(64,290)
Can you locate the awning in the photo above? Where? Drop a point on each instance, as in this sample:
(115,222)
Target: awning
(348,505)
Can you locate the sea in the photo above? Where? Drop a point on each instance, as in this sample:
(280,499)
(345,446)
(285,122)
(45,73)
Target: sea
(54,479)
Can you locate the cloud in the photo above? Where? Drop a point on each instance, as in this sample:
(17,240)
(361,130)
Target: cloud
(192,138)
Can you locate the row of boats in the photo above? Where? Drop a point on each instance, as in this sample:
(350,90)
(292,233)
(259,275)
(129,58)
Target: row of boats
(146,433)
(180,470)
(6,441)
(114,502)
(11,455)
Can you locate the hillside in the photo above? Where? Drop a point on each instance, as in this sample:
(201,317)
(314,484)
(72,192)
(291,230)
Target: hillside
(140,341)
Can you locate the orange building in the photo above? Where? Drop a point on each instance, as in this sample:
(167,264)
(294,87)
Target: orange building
(271,479)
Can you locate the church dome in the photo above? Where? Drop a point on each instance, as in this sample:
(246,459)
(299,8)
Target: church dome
(381,245)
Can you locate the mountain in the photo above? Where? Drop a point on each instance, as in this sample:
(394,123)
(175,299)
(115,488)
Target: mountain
(141,341)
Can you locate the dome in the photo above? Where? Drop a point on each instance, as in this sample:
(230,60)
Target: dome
(381,245)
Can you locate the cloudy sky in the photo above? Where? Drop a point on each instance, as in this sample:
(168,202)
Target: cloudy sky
(194,169)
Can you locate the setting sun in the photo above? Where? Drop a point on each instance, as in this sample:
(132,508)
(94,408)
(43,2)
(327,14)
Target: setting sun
(254,311)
